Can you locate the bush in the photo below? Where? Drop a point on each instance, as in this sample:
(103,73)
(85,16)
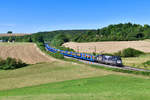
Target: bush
(146,64)
(107,54)
(11,63)
(129,52)
(57,42)
(94,53)
(65,48)
(56,55)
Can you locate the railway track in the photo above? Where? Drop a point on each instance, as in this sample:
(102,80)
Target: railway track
(110,66)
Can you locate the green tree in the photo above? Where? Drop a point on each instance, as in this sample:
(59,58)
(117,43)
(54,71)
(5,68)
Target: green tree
(9,32)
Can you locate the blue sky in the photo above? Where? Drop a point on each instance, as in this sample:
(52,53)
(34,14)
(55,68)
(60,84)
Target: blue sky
(28,16)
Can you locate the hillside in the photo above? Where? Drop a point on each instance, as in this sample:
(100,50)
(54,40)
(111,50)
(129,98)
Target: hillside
(47,73)
(27,52)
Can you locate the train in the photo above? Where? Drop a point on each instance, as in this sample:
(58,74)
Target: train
(103,59)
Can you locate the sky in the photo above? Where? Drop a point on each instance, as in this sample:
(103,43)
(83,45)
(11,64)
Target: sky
(30,16)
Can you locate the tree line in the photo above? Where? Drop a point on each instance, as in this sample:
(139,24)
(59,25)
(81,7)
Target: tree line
(114,32)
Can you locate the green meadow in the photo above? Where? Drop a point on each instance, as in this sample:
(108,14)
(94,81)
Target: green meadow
(108,87)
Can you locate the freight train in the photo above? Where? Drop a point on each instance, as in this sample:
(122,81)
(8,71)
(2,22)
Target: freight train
(105,59)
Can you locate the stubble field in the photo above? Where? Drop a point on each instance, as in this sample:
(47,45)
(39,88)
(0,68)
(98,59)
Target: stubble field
(27,52)
(109,47)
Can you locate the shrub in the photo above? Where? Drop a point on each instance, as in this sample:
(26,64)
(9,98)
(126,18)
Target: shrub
(11,63)
(146,64)
(94,53)
(107,54)
(129,52)
(65,48)
(2,62)
(57,42)
(56,55)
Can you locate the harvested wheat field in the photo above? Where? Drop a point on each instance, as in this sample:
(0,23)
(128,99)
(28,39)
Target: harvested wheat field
(27,52)
(109,47)
(16,34)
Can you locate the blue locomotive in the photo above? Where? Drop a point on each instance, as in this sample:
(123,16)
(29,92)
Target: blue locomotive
(105,59)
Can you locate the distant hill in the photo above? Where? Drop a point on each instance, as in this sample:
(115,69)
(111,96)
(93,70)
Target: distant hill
(116,32)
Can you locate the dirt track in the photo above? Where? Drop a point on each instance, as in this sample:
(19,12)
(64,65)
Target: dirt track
(109,47)
(27,52)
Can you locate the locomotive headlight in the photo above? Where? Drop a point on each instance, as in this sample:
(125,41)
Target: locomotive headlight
(119,61)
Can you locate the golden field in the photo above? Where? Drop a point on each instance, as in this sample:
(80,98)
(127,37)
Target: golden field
(109,47)
(27,52)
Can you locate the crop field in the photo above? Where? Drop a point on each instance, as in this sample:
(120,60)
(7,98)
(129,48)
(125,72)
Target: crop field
(112,47)
(109,47)
(108,87)
(27,52)
(5,34)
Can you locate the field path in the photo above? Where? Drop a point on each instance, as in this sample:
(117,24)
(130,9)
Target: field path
(27,52)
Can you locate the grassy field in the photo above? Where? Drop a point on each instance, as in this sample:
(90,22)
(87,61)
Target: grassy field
(60,80)
(46,73)
(137,61)
(108,87)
